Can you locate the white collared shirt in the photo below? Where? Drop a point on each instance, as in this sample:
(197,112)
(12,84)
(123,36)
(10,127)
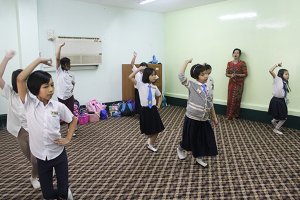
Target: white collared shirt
(143,92)
(16,117)
(278,90)
(44,126)
(65,83)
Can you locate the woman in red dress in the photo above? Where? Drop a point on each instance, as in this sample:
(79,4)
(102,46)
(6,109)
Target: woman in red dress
(236,71)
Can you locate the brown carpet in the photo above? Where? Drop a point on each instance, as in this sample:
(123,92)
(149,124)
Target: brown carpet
(109,160)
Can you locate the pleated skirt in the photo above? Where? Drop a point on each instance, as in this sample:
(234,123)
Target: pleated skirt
(278,108)
(198,137)
(150,121)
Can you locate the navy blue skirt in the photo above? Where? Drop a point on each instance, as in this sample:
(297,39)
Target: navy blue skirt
(198,137)
(150,121)
(278,108)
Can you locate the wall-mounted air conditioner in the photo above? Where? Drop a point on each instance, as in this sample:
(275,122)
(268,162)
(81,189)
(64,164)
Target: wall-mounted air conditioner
(83,52)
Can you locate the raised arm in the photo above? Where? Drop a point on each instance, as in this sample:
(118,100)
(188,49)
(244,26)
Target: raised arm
(184,66)
(58,54)
(131,76)
(271,70)
(22,77)
(133,58)
(9,55)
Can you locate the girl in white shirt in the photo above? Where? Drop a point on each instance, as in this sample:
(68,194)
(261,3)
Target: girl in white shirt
(16,118)
(278,104)
(65,80)
(43,117)
(150,121)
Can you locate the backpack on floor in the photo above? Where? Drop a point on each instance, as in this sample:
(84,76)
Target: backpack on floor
(94,106)
(127,108)
(76,108)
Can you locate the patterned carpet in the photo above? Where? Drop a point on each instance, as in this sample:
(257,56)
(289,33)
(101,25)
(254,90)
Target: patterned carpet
(109,160)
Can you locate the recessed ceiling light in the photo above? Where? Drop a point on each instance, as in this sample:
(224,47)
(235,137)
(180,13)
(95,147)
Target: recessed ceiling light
(146,1)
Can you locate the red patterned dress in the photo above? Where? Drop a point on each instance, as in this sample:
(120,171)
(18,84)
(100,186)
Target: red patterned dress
(235,88)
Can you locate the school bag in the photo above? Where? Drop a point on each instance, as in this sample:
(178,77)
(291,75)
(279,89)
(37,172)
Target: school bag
(127,108)
(164,101)
(76,108)
(94,106)
(103,114)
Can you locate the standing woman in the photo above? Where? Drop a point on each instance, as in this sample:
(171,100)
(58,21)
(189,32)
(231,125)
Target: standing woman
(236,71)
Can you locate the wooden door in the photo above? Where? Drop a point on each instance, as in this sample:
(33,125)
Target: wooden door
(127,85)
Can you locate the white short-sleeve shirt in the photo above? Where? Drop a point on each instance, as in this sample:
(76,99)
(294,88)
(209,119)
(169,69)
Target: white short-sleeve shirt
(278,90)
(44,126)
(16,117)
(143,92)
(65,83)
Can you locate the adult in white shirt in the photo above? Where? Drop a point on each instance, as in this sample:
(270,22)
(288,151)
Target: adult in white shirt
(16,118)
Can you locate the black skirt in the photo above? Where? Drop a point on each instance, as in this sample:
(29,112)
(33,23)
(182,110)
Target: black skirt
(198,137)
(150,121)
(278,108)
(137,101)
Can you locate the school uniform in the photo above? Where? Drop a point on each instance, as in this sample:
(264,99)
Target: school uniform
(277,106)
(198,135)
(44,127)
(17,124)
(65,87)
(138,78)
(150,121)
(210,85)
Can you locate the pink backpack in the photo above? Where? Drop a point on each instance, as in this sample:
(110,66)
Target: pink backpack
(94,106)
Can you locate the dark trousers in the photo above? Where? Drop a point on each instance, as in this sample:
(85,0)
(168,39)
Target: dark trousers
(68,102)
(45,170)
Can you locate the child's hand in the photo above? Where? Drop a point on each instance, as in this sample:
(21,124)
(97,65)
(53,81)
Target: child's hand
(134,54)
(62,44)
(189,60)
(142,68)
(216,122)
(46,61)
(279,64)
(10,54)
(62,141)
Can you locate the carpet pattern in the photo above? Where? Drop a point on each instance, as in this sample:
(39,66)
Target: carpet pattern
(109,160)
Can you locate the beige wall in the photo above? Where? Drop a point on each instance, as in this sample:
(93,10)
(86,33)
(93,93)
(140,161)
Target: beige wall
(269,37)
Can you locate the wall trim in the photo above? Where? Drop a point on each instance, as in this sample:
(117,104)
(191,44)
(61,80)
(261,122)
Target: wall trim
(248,114)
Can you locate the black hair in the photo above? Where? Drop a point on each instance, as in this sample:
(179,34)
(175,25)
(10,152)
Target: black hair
(144,64)
(280,74)
(14,76)
(196,70)
(208,67)
(237,49)
(36,79)
(64,62)
(147,72)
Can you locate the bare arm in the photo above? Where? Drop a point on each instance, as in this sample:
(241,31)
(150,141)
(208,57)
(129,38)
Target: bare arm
(71,130)
(133,58)
(58,54)
(159,101)
(271,70)
(9,55)
(22,77)
(131,76)
(214,116)
(184,66)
